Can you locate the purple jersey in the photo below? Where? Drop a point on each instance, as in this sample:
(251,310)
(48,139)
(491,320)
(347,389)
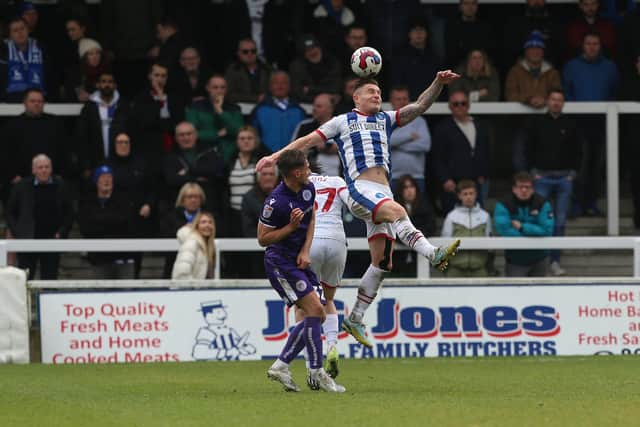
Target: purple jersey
(276,213)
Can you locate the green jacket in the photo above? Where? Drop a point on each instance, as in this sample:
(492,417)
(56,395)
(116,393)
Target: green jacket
(208,123)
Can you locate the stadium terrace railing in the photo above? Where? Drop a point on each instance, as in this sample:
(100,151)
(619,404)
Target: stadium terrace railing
(358,244)
(611,110)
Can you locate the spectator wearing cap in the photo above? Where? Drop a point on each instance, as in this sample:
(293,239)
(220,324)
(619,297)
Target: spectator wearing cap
(80,81)
(40,207)
(415,63)
(536,17)
(248,76)
(104,214)
(314,71)
(101,117)
(24,63)
(30,15)
(531,78)
(277,116)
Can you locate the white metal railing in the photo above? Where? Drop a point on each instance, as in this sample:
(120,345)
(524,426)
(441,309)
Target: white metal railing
(610,109)
(251,245)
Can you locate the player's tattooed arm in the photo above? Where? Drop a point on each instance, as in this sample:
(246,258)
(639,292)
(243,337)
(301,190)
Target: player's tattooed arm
(427,98)
(411,111)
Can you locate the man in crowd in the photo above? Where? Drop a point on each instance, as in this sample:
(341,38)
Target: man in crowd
(248,76)
(524,214)
(460,150)
(40,207)
(101,118)
(277,116)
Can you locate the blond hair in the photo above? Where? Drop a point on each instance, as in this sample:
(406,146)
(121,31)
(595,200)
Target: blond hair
(487,68)
(190,186)
(209,242)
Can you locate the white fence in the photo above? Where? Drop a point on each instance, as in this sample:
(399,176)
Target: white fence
(251,245)
(611,110)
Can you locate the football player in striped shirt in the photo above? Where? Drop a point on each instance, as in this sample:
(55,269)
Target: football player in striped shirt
(362,136)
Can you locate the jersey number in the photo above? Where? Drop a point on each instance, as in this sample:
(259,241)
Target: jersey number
(331,196)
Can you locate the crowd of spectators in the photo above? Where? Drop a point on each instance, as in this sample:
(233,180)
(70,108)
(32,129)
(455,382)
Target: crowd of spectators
(161,136)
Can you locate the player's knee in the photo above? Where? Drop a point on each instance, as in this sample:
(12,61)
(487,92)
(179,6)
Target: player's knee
(397,211)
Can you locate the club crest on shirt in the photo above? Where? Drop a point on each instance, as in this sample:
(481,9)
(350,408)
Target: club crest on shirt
(267,211)
(301,285)
(306,195)
(380,196)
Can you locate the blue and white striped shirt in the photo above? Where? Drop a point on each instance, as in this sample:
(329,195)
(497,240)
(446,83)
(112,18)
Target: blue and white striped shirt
(363,141)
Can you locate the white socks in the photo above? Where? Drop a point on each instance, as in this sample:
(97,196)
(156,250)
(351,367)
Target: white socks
(367,291)
(330,329)
(412,237)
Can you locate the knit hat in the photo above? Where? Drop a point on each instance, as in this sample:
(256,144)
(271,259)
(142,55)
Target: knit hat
(101,170)
(536,39)
(85,45)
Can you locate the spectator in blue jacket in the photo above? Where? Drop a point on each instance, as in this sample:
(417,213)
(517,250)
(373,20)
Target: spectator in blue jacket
(591,77)
(524,214)
(277,116)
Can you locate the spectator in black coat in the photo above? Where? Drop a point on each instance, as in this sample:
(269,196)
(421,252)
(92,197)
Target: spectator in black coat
(460,151)
(34,132)
(154,115)
(189,80)
(314,71)
(190,201)
(466,33)
(191,163)
(40,208)
(105,214)
(248,76)
(415,64)
(170,44)
(103,116)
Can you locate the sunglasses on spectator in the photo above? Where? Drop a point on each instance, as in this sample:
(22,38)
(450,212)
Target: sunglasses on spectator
(459,103)
(248,51)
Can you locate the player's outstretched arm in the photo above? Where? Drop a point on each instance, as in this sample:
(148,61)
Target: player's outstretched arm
(302,143)
(410,112)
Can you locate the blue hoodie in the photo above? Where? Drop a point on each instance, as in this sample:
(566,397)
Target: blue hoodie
(590,80)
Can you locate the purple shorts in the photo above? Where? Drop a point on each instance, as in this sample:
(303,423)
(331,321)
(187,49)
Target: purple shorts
(287,279)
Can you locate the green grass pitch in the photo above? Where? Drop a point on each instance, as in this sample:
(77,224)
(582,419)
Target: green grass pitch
(544,391)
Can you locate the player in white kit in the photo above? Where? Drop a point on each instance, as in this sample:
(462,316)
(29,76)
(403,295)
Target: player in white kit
(362,137)
(329,254)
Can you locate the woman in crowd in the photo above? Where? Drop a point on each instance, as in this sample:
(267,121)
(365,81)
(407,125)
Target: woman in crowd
(242,174)
(420,212)
(131,177)
(197,253)
(81,80)
(189,204)
(478,78)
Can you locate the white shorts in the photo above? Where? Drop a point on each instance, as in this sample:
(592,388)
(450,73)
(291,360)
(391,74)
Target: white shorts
(328,258)
(365,197)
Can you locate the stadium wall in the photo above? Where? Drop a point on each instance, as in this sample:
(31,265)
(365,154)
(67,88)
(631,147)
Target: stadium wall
(410,318)
(14,322)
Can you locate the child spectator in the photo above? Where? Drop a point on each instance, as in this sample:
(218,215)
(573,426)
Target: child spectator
(467,219)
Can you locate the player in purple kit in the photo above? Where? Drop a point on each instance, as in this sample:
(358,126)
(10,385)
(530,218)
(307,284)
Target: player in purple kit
(286,228)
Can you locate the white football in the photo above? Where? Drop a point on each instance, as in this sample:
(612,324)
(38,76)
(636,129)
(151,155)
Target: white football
(366,62)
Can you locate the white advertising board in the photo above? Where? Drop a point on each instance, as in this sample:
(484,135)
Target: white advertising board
(409,321)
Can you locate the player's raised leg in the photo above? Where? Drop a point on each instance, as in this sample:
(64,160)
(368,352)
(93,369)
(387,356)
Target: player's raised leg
(393,213)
